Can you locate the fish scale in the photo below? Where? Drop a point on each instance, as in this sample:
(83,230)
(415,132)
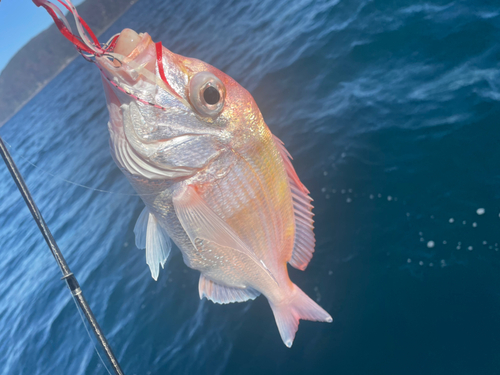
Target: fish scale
(250,221)
(267,165)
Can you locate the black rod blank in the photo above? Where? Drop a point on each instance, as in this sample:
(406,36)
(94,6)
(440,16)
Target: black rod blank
(67,274)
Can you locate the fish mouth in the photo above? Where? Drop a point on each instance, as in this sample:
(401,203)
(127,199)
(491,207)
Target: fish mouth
(127,42)
(118,58)
(134,61)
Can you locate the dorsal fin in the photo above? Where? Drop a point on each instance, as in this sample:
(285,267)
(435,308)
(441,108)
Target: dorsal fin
(224,294)
(303,248)
(151,236)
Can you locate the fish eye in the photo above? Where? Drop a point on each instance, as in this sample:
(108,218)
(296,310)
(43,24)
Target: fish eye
(207,94)
(211,95)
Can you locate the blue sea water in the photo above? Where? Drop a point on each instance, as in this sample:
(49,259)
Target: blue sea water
(391,111)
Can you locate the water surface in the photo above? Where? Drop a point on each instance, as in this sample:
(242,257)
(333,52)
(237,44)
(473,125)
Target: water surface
(390,110)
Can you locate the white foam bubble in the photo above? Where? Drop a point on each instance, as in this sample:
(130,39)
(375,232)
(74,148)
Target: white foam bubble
(420,263)
(430,244)
(464,222)
(451,220)
(348,200)
(459,247)
(371,196)
(389,198)
(330,273)
(470,248)
(342,191)
(408,260)
(485,243)
(480,211)
(474,225)
(379,195)
(408,214)
(325,173)
(323,189)
(420,234)
(444,242)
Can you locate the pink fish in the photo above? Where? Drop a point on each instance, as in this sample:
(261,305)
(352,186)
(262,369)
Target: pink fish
(214,179)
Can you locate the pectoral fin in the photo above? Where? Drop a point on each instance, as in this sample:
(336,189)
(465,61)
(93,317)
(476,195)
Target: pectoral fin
(224,294)
(200,221)
(150,235)
(140,229)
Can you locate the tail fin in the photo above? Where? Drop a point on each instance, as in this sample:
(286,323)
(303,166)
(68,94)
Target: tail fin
(300,306)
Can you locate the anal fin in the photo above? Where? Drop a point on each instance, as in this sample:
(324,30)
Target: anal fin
(151,236)
(224,294)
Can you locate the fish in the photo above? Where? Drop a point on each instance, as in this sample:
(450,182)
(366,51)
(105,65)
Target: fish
(213,178)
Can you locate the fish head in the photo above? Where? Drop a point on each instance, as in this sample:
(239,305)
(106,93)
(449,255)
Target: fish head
(170,115)
(177,114)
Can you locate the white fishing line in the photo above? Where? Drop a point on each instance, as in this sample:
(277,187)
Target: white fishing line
(84,321)
(69,181)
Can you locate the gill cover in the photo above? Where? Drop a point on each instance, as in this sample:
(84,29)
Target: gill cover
(140,153)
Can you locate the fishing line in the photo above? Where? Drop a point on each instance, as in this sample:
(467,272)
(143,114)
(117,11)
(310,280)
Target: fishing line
(69,181)
(90,336)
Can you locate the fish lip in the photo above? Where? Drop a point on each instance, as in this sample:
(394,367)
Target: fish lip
(113,62)
(139,48)
(143,66)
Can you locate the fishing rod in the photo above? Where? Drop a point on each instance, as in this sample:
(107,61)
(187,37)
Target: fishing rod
(68,276)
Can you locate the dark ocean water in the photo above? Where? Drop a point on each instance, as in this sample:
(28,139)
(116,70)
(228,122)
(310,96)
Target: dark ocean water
(391,110)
